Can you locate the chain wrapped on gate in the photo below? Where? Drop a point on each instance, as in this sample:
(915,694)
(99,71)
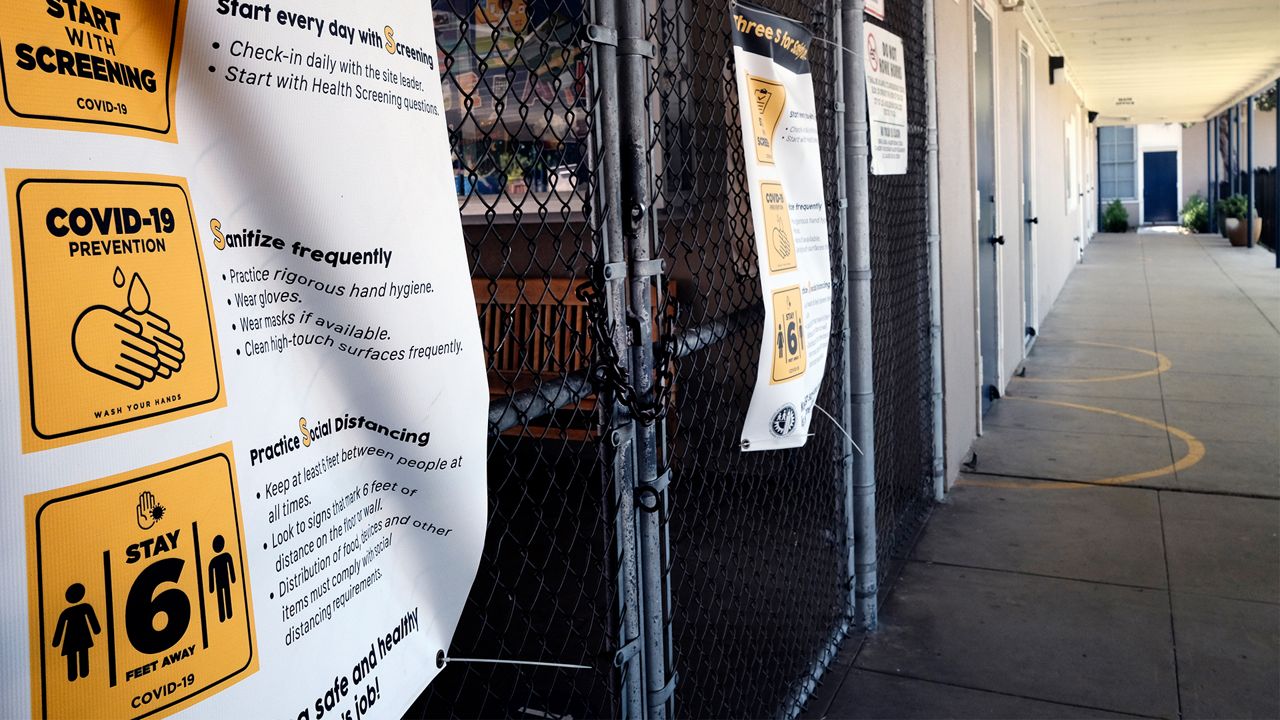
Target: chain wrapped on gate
(611,373)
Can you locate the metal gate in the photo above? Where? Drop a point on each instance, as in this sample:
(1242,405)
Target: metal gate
(599,169)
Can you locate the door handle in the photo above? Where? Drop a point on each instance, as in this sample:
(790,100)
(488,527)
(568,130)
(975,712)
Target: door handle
(1034,221)
(997,240)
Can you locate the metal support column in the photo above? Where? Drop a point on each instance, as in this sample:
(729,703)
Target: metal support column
(634,55)
(935,256)
(1215,187)
(861,386)
(1235,149)
(1208,167)
(1249,169)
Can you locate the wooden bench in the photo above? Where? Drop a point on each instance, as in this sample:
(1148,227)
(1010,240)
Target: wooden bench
(535,330)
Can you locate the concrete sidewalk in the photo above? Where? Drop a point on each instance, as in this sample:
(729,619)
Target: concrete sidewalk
(1115,550)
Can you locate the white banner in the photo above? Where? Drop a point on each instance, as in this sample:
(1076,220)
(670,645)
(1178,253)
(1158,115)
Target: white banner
(886,101)
(245,402)
(789,215)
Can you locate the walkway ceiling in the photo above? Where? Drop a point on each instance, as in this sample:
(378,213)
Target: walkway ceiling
(1137,61)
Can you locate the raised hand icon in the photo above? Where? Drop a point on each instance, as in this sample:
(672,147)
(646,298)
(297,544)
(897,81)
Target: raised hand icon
(146,507)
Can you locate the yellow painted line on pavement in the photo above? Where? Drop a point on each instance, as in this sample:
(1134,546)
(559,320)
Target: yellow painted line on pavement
(1195,453)
(1163,364)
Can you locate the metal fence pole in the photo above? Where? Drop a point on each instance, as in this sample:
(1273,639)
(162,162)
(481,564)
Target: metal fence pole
(935,256)
(620,440)
(635,53)
(794,705)
(861,383)
(1249,169)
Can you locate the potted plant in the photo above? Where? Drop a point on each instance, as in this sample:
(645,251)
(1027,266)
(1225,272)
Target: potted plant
(1233,210)
(1115,219)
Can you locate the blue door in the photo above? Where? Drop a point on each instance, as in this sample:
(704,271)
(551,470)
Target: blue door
(1160,187)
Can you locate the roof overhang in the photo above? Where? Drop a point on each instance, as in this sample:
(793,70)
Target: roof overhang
(1139,61)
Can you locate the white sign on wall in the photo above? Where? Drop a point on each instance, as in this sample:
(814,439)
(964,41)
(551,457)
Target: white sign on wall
(789,215)
(245,407)
(875,8)
(886,82)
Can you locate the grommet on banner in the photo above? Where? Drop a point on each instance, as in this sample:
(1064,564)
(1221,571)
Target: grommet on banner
(442,660)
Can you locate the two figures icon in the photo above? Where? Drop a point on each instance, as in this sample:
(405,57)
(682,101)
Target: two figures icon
(78,623)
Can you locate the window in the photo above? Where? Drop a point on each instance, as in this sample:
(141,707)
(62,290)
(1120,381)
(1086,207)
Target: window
(1117,163)
(516,99)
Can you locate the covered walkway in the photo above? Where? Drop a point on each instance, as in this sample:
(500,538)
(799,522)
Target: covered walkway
(1113,549)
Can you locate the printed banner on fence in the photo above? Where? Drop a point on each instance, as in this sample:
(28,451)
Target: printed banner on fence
(886,81)
(789,214)
(245,406)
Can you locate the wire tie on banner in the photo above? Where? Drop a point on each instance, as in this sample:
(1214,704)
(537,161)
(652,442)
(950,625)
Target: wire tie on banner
(442,660)
(853,442)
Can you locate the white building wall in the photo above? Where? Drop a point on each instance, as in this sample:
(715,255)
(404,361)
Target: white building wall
(1195,160)
(1063,202)
(954,39)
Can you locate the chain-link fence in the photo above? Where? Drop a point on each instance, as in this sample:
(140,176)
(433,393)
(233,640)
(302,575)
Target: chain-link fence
(522,104)
(900,315)
(747,581)
(757,543)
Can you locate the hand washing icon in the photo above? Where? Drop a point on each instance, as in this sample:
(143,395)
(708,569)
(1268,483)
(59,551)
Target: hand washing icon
(131,346)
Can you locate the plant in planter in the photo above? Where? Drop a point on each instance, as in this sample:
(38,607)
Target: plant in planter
(1195,214)
(1115,219)
(1233,210)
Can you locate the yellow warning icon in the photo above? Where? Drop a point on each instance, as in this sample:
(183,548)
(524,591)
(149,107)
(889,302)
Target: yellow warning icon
(108,66)
(777,228)
(115,326)
(139,598)
(789,357)
(765,102)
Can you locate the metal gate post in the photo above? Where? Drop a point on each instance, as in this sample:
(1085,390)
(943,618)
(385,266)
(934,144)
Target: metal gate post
(619,438)
(861,390)
(649,492)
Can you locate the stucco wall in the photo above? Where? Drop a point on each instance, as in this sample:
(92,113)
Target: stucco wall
(1195,162)
(955,171)
(1060,218)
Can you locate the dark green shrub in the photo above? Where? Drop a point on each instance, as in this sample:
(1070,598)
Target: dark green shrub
(1195,214)
(1115,218)
(1236,206)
